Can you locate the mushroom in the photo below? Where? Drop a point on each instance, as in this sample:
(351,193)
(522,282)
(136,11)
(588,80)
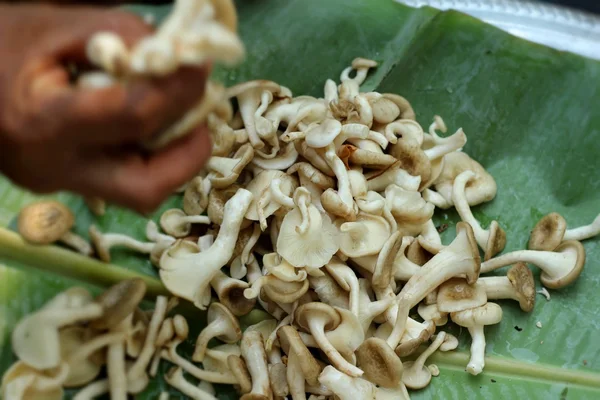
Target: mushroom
(436,199)
(104,242)
(176,379)
(363,237)
(217,199)
(548,233)
(238,367)
(222,324)
(474,320)
(584,232)
(21,382)
(416,375)
(381,365)
(480,189)
(153,234)
(222,136)
(368,310)
(408,206)
(253,352)
(265,203)
(176,223)
(329,291)
(230,292)
(346,278)
(447,145)
(227,170)
(431,312)
(459,258)
(346,387)
(457,295)
(48,221)
(195,197)
(518,285)
(307,237)
(36,338)
(412,158)
(394,174)
(278,267)
(300,359)
(362,66)
(560,267)
(182,275)
(317,318)
(493,240)
(342,198)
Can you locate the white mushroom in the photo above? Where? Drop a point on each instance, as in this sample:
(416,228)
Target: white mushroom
(584,232)
(104,242)
(178,224)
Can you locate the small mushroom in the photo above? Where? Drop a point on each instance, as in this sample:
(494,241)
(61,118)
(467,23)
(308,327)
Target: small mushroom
(475,319)
(230,292)
(317,318)
(278,267)
(264,203)
(551,230)
(300,358)
(368,310)
(394,174)
(153,234)
(178,224)
(408,206)
(457,295)
(228,170)
(329,291)
(518,285)
(361,66)
(560,267)
(416,375)
(253,352)
(104,242)
(195,197)
(48,221)
(363,237)
(222,324)
(493,240)
(346,278)
(307,237)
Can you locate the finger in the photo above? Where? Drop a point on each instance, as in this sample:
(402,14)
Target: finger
(128,113)
(142,184)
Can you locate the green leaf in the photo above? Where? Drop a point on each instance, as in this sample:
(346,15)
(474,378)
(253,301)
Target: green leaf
(529,117)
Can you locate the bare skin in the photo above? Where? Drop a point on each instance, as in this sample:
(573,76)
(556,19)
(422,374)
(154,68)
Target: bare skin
(54,136)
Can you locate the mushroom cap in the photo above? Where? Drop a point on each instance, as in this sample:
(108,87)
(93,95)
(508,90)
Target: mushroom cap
(218,311)
(488,314)
(548,233)
(311,310)
(456,295)
(374,232)
(522,281)
(244,156)
(379,362)
(195,200)
(385,110)
(414,379)
(284,292)
(324,133)
(22,371)
(233,298)
(216,202)
(45,222)
(496,241)
(412,159)
(118,302)
(360,62)
(171,223)
(260,184)
(313,249)
(575,254)
(71,338)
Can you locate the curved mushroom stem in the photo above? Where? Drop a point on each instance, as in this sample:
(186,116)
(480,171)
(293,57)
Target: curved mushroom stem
(76,242)
(330,91)
(584,232)
(96,344)
(195,219)
(153,234)
(420,361)
(214,377)
(253,291)
(378,138)
(339,169)
(214,329)
(550,262)
(279,196)
(436,199)
(317,329)
(303,207)
(464,210)
(404,307)
(253,351)
(450,144)
(263,201)
(175,378)
(93,390)
(477,360)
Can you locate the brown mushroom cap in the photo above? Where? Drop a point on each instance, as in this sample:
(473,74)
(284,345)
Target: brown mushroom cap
(218,311)
(45,222)
(521,279)
(456,295)
(496,241)
(407,347)
(379,362)
(309,310)
(284,292)
(417,253)
(118,302)
(466,228)
(412,159)
(572,246)
(548,233)
(290,341)
(233,298)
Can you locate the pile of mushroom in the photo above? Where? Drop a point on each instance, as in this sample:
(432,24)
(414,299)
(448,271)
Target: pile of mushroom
(319,211)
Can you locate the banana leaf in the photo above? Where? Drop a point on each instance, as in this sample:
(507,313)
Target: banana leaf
(529,117)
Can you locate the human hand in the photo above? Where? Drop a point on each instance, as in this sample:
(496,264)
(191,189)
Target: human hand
(54,136)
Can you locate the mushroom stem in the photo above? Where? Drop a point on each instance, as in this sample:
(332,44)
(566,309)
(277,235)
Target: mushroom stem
(117,376)
(498,287)
(552,263)
(295,378)
(476,362)
(214,329)
(419,363)
(153,234)
(77,242)
(198,373)
(93,390)
(346,387)
(317,329)
(339,169)
(450,144)
(175,378)
(96,344)
(279,196)
(303,207)
(253,352)
(584,232)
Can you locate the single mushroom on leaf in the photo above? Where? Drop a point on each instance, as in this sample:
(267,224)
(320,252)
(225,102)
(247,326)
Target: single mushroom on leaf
(551,231)
(416,375)
(518,284)
(474,320)
(560,267)
(104,242)
(493,240)
(222,324)
(48,221)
